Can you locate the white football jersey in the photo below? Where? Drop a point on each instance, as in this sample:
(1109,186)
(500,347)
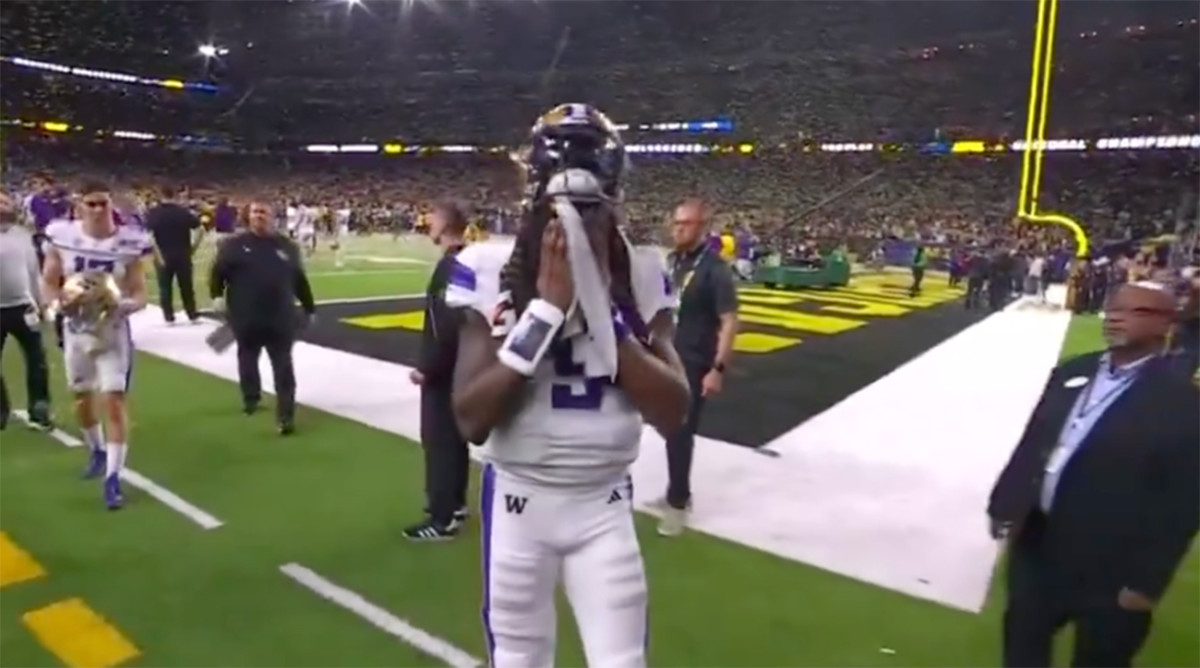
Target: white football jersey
(308,218)
(81,252)
(570,429)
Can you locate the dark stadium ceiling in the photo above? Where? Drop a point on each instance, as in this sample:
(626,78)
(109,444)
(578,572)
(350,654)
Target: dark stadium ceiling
(397,39)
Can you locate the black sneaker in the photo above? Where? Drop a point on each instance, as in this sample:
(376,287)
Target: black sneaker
(39,416)
(250,407)
(430,531)
(287,427)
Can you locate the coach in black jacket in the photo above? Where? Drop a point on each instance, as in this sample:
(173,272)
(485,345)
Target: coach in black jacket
(256,280)
(1100,498)
(446,456)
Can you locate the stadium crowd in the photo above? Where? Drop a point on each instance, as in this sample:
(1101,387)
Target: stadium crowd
(855,79)
(791,80)
(836,72)
(782,196)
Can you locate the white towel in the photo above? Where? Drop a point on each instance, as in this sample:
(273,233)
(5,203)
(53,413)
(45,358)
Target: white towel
(592,302)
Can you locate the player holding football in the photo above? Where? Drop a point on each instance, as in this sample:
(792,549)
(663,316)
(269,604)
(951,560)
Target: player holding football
(565,348)
(98,353)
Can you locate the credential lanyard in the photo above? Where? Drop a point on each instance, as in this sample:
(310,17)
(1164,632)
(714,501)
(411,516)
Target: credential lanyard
(687,267)
(1088,405)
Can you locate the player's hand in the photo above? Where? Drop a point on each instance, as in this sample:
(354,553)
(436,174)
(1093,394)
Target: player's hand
(416,377)
(218,305)
(1136,601)
(554,282)
(126,305)
(33,317)
(711,384)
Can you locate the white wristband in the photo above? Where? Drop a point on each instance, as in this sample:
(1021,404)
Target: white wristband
(531,337)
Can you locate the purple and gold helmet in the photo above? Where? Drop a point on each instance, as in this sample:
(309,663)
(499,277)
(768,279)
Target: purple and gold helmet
(573,136)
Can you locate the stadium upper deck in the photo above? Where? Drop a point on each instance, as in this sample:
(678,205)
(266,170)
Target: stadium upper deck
(425,71)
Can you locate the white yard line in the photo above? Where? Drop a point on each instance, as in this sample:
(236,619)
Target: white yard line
(381,619)
(363,300)
(165,496)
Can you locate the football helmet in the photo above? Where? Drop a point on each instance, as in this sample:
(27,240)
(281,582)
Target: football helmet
(90,297)
(573,150)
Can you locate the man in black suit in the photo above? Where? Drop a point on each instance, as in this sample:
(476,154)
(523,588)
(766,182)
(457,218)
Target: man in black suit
(1000,279)
(1099,499)
(978,268)
(447,460)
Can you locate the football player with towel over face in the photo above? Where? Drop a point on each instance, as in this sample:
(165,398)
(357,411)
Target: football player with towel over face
(93,275)
(565,348)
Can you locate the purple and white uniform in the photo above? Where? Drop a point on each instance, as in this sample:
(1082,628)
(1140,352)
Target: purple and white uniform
(97,359)
(557,496)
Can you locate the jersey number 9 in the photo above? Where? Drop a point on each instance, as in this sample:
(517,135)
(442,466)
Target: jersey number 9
(564,395)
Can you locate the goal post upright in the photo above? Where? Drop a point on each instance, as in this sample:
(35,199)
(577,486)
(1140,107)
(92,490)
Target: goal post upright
(1034,149)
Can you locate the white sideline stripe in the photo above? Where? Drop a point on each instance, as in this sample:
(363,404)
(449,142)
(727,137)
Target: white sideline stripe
(904,466)
(363,300)
(383,259)
(165,496)
(380,618)
(363,272)
(816,502)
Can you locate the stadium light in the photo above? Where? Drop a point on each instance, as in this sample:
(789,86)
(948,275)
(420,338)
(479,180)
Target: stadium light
(210,51)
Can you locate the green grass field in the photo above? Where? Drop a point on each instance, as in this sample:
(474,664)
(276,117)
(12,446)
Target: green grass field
(334,498)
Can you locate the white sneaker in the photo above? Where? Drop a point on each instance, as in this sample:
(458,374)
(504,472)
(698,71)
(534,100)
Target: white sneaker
(672,522)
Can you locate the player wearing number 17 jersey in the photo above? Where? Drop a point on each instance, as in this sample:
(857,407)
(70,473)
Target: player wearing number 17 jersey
(93,275)
(565,348)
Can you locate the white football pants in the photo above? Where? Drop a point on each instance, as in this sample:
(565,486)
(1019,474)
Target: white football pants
(534,534)
(107,369)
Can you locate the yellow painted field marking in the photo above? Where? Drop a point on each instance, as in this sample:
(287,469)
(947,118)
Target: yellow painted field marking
(796,320)
(899,295)
(865,297)
(835,303)
(79,636)
(414,320)
(769,297)
(758,342)
(16,565)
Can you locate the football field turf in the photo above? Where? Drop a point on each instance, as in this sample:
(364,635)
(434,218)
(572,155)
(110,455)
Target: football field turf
(152,586)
